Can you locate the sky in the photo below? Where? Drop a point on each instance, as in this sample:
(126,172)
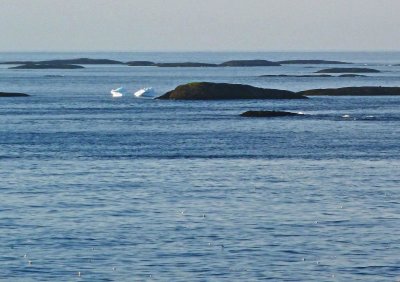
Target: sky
(199,25)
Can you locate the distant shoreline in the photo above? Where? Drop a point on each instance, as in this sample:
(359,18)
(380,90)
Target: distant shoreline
(72,63)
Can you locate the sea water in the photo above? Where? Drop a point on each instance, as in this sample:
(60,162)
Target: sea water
(95,188)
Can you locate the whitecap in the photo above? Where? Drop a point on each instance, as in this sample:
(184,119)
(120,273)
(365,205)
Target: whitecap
(145,92)
(117,92)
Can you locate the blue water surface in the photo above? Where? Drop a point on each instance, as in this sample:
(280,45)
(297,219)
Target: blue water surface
(100,189)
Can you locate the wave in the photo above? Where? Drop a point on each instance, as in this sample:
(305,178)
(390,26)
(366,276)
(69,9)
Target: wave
(147,92)
(117,92)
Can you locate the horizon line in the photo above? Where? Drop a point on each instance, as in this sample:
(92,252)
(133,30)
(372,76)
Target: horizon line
(206,51)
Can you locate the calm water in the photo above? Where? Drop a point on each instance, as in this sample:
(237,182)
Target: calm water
(144,190)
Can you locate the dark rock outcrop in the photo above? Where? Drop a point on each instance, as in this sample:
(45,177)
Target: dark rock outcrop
(225,91)
(267,114)
(5,94)
(311,62)
(249,63)
(185,65)
(353,91)
(32,66)
(348,70)
(140,63)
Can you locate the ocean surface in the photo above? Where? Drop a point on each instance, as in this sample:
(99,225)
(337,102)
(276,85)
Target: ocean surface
(94,188)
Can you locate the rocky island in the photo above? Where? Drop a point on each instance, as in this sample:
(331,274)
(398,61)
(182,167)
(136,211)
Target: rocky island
(35,66)
(311,62)
(5,94)
(226,91)
(185,65)
(233,63)
(348,70)
(141,64)
(83,61)
(353,91)
(351,75)
(268,114)
(249,63)
(79,61)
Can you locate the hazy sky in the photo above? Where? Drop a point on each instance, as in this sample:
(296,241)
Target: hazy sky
(196,25)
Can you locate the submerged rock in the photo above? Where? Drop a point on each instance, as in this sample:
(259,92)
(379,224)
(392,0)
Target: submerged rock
(5,94)
(226,91)
(268,114)
(353,91)
(311,62)
(249,63)
(46,66)
(348,70)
